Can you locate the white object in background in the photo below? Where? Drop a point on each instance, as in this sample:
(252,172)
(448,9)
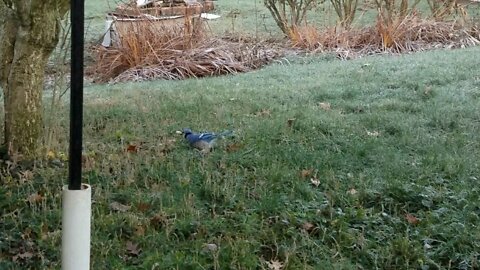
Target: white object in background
(76,216)
(191,2)
(107,38)
(209,16)
(141,3)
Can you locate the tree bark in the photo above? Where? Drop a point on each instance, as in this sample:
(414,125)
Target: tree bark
(29,34)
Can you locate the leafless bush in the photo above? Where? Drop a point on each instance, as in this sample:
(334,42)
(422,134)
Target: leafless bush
(345,10)
(289,13)
(441,8)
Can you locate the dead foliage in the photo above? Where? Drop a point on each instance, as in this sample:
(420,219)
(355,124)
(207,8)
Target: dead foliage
(409,34)
(398,28)
(149,50)
(305,37)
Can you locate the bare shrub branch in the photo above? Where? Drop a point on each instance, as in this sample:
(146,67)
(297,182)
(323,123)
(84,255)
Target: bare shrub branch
(288,13)
(345,10)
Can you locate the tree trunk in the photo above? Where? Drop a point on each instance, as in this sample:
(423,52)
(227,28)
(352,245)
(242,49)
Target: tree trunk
(29,34)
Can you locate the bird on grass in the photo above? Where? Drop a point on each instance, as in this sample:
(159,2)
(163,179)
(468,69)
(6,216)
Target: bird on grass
(203,141)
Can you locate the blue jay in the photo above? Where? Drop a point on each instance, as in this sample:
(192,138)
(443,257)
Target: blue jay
(203,141)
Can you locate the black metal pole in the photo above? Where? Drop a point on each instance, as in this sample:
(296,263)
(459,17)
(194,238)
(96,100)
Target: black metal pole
(76,94)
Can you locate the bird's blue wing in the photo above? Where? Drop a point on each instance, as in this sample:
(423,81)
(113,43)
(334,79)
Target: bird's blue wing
(195,137)
(208,137)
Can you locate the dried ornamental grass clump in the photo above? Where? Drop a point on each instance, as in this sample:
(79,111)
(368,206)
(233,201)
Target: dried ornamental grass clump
(410,34)
(150,51)
(398,28)
(305,37)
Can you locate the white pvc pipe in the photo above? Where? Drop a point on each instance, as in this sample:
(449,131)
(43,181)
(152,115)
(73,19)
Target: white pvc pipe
(76,216)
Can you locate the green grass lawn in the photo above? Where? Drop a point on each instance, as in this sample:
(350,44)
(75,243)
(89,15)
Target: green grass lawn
(363,164)
(386,178)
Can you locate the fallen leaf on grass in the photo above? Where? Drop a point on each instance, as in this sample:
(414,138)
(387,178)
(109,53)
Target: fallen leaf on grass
(306,173)
(44,232)
(275,265)
(428,90)
(139,230)
(62,156)
(22,256)
(222,165)
(307,226)
(158,221)
(233,147)
(352,191)
(133,249)
(27,234)
(34,198)
(325,106)
(412,219)
(26,176)
(210,247)
(88,162)
(315,182)
(143,207)
(51,155)
(290,122)
(263,112)
(132,148)
(116,206)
